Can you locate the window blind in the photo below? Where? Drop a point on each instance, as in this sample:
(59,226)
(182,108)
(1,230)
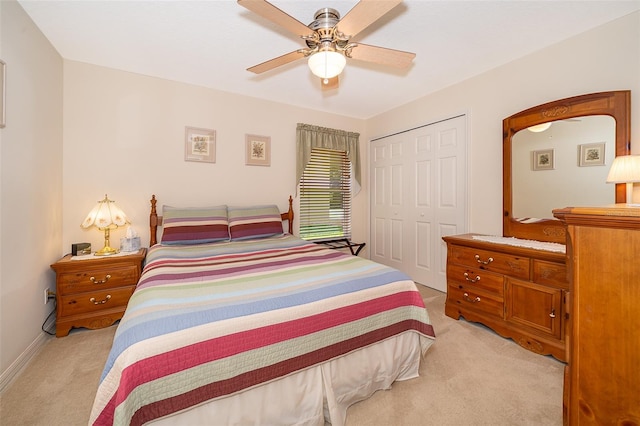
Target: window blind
(325,196)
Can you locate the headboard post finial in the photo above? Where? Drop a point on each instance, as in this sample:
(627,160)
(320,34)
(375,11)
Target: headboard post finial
(288,216)
(153,222)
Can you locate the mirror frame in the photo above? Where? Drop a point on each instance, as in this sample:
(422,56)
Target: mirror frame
(616,104)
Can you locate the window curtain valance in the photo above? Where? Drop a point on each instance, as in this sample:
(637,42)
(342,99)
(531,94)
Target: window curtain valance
(309,137)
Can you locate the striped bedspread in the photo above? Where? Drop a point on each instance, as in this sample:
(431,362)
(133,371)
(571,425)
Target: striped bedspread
(208,321)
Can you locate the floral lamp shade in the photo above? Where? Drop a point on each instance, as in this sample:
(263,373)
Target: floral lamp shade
(105,216)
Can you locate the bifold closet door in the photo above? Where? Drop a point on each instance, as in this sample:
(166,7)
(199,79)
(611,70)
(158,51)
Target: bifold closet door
(418,195)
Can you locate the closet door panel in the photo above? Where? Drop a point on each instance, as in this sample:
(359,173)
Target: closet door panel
(419,191)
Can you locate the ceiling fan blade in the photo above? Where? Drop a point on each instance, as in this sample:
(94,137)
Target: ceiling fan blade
(363,14)
(332,83)
(382,55)
(276,62)
(273,14)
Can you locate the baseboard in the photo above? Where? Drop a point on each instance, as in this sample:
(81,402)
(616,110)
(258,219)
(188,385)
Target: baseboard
(12,372)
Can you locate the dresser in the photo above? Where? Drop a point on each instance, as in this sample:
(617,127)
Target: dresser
(93,292)
(519,292)
(602,377)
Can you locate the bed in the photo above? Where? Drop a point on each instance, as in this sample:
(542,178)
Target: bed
(235,321)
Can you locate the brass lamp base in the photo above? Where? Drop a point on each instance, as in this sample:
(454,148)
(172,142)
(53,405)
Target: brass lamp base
(106,250)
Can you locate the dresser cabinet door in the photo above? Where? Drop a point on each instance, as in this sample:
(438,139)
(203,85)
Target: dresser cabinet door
(534,306)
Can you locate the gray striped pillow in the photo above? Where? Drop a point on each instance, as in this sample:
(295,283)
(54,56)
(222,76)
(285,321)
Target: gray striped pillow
(254,222)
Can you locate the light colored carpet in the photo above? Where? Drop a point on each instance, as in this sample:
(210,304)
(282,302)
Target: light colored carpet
(470,376)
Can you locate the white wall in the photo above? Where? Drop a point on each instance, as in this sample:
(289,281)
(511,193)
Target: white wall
(603,59)
(30,185)
(124,136)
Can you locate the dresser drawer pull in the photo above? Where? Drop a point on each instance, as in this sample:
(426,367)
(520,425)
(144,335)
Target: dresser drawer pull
(484,262)
(471,280)
(106,278)
(100,302)
(468,299)
(553,313)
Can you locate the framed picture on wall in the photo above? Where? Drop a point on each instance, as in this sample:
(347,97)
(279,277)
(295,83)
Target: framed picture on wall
(258,150)
(592,154)
(199,145)
(543,159)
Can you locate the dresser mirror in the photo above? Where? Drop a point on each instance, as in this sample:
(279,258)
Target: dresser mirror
(565,163)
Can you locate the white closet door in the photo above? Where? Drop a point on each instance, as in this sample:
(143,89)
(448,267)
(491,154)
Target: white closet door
(418,181)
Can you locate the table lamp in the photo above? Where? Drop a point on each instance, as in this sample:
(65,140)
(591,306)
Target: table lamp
(105,216)
(625,169)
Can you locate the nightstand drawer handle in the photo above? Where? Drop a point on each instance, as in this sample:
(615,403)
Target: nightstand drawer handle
(101,302)
(471,280)
(484,262)
(468,299)
(93,280)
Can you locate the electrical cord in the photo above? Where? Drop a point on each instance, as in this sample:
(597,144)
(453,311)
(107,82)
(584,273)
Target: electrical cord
(52,312)
(47,319)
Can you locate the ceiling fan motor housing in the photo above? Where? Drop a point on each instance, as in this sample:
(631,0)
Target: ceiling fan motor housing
(323,26)
(325,18)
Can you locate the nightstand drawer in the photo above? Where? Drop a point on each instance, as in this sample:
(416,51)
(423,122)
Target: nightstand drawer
(95,301)
(97,279)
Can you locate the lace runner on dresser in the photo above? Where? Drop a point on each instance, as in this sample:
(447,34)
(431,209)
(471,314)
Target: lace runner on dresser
(512,241)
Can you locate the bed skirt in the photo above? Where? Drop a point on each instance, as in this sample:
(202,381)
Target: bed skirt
(318,394)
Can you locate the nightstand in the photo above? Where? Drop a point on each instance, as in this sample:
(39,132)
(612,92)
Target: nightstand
(93,292)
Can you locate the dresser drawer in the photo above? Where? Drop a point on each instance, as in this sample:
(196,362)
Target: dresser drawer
(468,298)
(95,301)
(91,279)
(549,273)
(502,263)
(475,279)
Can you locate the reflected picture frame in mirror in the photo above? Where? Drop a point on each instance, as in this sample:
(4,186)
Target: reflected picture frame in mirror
(616,104)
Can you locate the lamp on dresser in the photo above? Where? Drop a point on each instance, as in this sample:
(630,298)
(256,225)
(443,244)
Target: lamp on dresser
(105,216)
(625,169)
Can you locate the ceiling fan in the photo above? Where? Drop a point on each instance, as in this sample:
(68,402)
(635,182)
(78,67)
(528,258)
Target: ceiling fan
(328,39)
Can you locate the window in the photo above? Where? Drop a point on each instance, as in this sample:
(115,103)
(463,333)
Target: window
(325,196)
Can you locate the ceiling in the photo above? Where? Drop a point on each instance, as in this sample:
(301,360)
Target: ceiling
(212,43)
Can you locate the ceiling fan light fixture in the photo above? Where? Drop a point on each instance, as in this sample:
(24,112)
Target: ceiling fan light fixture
(539,127)
(327,63)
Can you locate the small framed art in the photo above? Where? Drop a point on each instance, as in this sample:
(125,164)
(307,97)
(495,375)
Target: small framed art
(199,145)
(258,150)
(543,159)
(592,154)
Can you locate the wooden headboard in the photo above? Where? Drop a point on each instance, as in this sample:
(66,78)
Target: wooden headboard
(155,220)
